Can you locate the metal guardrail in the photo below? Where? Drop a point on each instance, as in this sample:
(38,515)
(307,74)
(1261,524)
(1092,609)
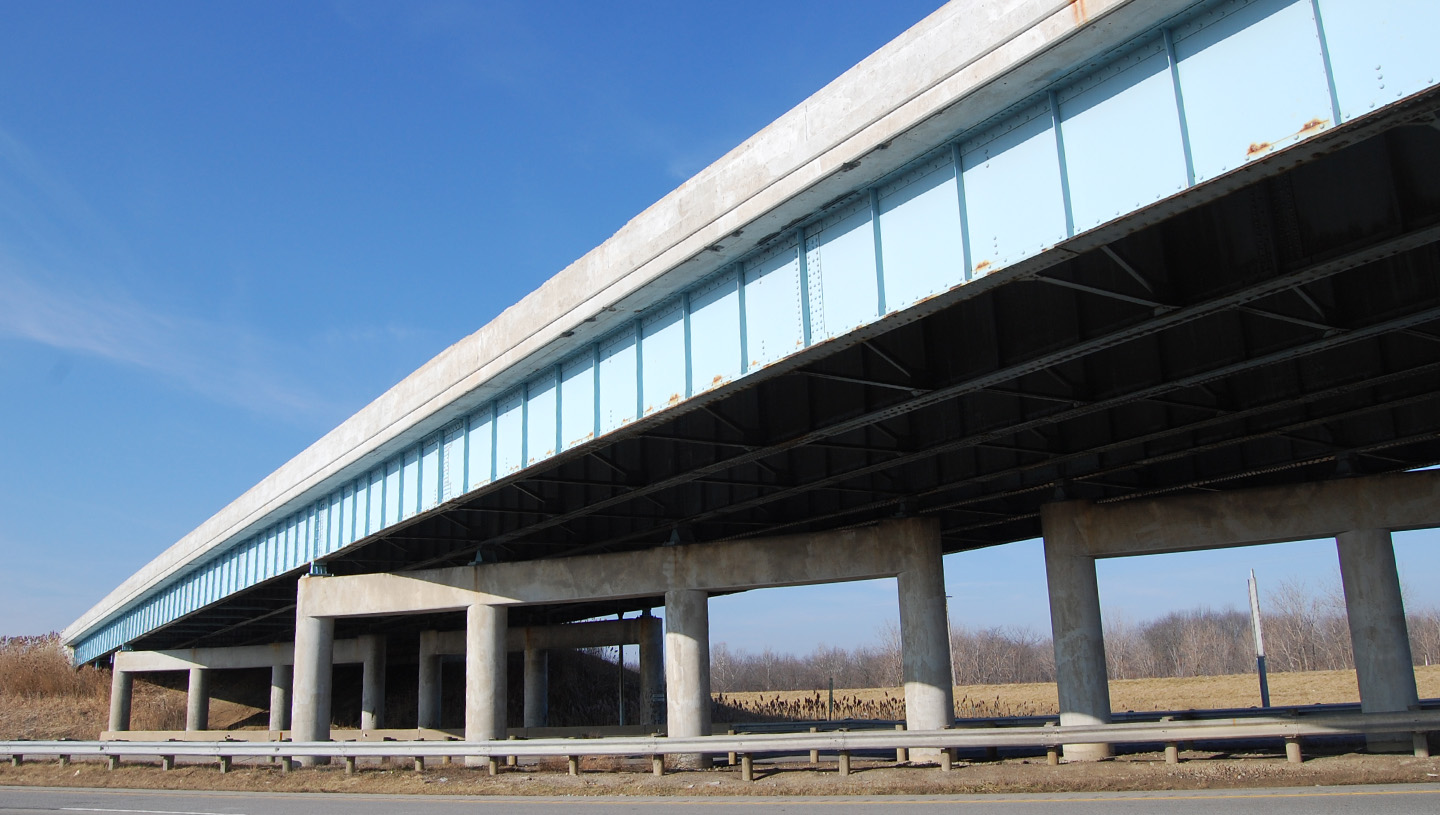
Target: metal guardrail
(843,743)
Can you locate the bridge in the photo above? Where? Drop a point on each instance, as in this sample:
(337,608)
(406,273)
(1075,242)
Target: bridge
(1135,277)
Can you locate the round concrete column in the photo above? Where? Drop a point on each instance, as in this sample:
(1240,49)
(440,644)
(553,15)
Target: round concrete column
(197,700)
(1080,674)
(122,685)
(314,665)
(925,638)
(537,687)
(281,677)
(687,668)
(484,674)
(1384,669)
(428,713)
(652,668)
(372,682)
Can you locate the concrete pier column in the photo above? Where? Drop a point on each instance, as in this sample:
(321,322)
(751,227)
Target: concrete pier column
(1384,668)
(1080,674)
(925,636)
(428,714)
(484,674)
(314,666)
(652,668)
(687,668)
(372,682)
(281,677)
(197,700)
(122,686)
(537,687)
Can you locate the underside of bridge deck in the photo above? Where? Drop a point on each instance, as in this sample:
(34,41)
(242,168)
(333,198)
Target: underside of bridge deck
(1287,330)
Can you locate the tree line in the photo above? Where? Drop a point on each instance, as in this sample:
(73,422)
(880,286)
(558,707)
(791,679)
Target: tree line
(1303,632)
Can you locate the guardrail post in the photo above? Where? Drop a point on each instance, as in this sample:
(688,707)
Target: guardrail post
(1292,750)
(492,765)
(1421,742)
(224,764)
(167,762)
(419,764)
(902,755)
(112,762)
(1172,749)
(16,760)
(730,757)
(287,764)
(844,762)
(657,764)
(512,760)
(947,758)
(572,763)
(349,765)
(814,754)
(747,767)
(65,760)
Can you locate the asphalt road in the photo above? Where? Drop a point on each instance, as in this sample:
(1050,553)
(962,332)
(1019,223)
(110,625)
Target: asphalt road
(1372,800)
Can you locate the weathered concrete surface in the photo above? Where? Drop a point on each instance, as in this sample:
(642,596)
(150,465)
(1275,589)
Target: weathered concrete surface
(687,668)
(310,710)
(122,687)
(925,641)
(429,680)
(880,550)
(537,688)
(1384,668)
(959,66)
(1326,509)
(372,682)
(594,634)
(1081,678)
(484,674)
(281,679)
(347,652)
(197,700)
(652,671)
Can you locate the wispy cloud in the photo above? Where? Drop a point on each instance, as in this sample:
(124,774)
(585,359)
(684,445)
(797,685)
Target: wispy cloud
(229,364)
(59,271)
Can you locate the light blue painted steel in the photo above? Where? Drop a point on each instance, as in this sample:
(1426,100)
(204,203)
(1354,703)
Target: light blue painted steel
(619,374)
(453,459)
(773,320)
(577,401)
(715,350)
(663,353)
(1254,81)
(921,249)
(1137,90)
(1012,190)
(1380,51)
(1176,107)
(509,435)
(482,461)
(429,474)
(840,270)
(540,413)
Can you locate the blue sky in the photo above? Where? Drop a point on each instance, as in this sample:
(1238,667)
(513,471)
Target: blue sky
(225,227)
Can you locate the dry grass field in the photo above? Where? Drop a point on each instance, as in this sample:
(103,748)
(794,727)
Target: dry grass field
(41,697)
(1200,692)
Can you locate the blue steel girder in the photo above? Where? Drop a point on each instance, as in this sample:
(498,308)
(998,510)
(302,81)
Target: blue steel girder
(1179,116)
